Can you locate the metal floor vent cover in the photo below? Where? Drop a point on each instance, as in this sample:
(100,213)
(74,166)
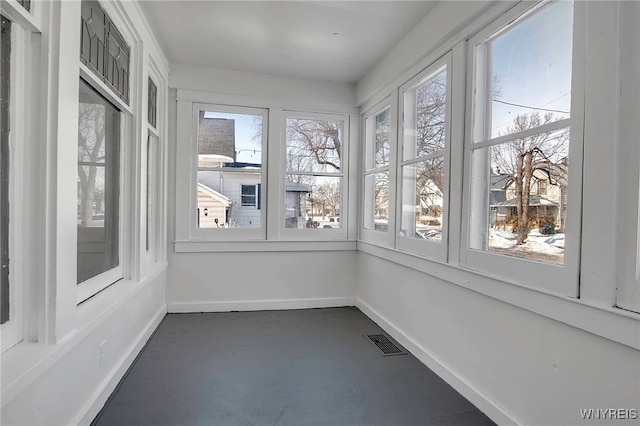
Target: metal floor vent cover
(385,345)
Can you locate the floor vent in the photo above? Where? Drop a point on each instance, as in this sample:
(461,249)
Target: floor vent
(385,345)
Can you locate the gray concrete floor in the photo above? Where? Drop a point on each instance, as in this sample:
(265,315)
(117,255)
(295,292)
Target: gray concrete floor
(296,367)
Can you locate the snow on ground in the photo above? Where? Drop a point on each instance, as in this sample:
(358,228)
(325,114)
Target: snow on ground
(535,242)
(429,232)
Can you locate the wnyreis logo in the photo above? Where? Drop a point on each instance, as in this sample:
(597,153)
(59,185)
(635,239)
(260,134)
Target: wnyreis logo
(609,413)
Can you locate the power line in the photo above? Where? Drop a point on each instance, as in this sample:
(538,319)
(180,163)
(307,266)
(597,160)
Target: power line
(530,107)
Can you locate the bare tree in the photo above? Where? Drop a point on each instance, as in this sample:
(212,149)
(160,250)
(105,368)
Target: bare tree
(431,111)
(328,194)
(540,154)
(314,145)
(91,152)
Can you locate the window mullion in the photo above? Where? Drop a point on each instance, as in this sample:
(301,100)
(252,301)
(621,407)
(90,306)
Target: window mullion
(544,128)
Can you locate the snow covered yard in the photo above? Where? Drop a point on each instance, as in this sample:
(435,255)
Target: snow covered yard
(546,248)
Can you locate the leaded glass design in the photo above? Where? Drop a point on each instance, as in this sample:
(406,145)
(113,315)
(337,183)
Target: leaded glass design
(103,49)
(26,4)
(152,103)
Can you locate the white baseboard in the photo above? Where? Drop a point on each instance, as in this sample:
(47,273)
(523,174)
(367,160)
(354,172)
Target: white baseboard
(482,402)
(109,384)
(260,305)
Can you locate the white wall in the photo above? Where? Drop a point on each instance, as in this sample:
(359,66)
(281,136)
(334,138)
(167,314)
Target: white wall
(64,384)
(242,83)
(264,274)
(260,280)
(55,375)
(522,355)
(515,365)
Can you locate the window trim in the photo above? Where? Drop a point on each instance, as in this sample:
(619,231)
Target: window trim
(426,248)
(367,234)
(215,234)
(627,173)
(256,196)
(129,120)
(320,234)
(94,285)
(12,329)
(564,279)
(153,226)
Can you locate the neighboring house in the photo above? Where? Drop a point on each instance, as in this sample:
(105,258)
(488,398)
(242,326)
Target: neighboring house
(231,196)
(235,196)
(545,202)
(431,202)
(296,195)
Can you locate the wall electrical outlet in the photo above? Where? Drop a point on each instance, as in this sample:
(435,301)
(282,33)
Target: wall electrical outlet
(101,348)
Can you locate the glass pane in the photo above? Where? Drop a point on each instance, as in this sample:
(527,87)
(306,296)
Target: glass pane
(229,140)
(422,199)
(5,107)
(376,201)
(531,69)
(152,146)
(378,147)
(312,202)
(425,108)
(526,189)
(314,145)
(152,102)
(228,199)
(98,184)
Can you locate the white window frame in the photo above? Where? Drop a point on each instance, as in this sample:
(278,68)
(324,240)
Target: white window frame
(12,329)
(435,250)
(379,237)
(130,114)
(253,205)
(561,280)
(94,285)
(316,233)
(214,234)
(153,231)
(628,173)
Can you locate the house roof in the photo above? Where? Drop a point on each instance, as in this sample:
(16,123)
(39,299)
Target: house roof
(216,137)
(214,194)
(534,201)
(499,182)
(296,187)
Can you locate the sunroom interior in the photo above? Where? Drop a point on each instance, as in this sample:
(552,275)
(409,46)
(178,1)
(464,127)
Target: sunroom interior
(465,173)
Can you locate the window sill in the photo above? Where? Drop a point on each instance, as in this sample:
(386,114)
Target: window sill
(610,323)
(267,246)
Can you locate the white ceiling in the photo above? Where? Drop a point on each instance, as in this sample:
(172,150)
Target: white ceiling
(316,40)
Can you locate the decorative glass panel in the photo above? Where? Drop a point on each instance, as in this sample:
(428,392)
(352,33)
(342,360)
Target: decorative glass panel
(152,103)
(26,4)
(103,49)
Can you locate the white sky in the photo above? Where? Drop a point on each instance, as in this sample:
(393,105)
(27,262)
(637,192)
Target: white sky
(532,62)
